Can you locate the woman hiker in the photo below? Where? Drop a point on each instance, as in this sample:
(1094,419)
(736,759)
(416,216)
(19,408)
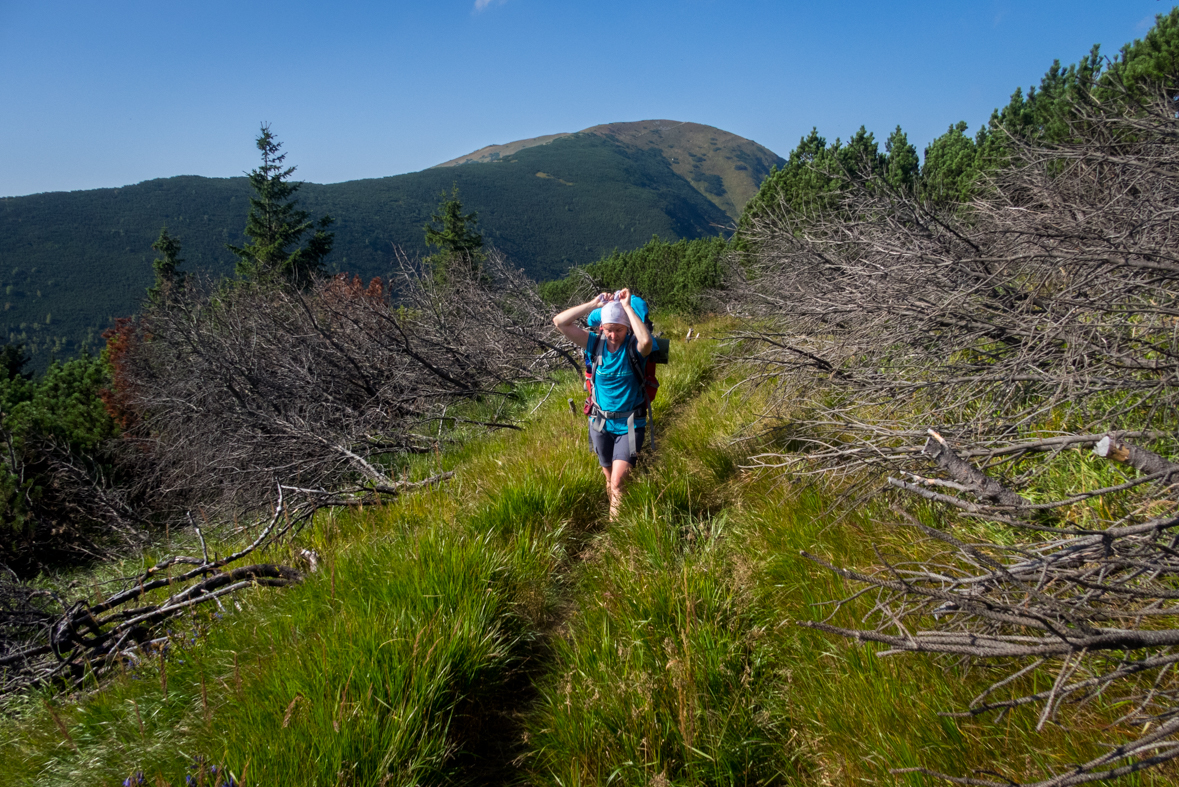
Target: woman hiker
(618,419)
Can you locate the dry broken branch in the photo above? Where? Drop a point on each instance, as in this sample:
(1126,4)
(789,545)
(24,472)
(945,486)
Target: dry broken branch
(234,387)
(85,639)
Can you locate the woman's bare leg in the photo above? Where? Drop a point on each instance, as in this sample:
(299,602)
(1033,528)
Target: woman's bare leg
(615,482)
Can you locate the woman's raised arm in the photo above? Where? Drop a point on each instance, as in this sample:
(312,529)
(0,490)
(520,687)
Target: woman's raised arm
(566,320)
(642,335)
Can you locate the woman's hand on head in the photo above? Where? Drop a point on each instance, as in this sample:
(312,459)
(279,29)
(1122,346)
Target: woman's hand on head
(624,295)
(604,298)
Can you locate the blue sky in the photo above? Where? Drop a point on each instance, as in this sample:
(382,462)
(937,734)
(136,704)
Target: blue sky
(98,93)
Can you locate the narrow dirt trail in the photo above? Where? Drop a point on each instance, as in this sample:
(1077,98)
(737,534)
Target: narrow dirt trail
(495,746)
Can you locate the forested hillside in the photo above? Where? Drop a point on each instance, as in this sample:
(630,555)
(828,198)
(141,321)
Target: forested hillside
(72,262)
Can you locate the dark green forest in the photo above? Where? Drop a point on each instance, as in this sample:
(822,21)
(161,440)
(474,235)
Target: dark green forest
(72,262)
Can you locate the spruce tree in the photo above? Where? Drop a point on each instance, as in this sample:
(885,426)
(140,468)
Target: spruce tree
(276,225)
(167,277)
(456,238)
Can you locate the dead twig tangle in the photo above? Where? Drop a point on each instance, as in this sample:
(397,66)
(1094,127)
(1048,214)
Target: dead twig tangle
(1013,365)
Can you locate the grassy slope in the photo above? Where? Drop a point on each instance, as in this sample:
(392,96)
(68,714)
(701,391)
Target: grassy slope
(497,629)
(727,169)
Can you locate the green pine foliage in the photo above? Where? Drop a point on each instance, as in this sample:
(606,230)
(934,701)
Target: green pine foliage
(451,231)
(675,277)
(166,267)
(1135,74)
(815,173)
(453,234)
(1152,59)
(59,414)
(64,404)
(276,225)
(901,167)
(1046,113)
(801,183)
(951,165)
(13,361)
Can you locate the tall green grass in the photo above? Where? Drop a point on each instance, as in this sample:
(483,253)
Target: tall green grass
(497,630)
(663,675)
(384,667)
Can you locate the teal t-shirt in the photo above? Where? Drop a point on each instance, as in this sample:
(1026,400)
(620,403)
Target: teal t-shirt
(616,387)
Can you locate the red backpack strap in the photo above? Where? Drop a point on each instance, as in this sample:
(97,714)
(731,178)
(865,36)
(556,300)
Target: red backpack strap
(594,347)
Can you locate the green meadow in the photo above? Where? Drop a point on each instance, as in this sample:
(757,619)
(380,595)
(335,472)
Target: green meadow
(498,630)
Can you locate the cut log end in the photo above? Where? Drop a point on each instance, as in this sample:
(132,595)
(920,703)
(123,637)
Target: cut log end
(1110,448)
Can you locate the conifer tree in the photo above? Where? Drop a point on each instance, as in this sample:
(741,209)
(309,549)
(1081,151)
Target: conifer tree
(902,165)
(13,360)
(456,238)
(165,267)
(276,225)
(816,174)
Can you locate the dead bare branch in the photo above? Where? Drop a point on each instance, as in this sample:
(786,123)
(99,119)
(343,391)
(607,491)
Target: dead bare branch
(236,387)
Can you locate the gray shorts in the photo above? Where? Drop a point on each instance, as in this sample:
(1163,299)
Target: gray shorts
(615,447)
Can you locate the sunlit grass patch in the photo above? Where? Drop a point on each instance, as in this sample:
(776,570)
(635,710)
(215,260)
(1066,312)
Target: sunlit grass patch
(662,672)
(377,660)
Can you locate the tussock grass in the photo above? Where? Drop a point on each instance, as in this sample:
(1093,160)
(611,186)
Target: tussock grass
(663,673)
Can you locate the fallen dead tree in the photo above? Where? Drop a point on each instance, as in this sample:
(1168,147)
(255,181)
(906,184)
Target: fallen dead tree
(226,389)
(85,639)
(1033,324)
(45,640)
(1094,605)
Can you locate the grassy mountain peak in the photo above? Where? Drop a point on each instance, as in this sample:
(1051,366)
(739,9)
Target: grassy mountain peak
(725,168)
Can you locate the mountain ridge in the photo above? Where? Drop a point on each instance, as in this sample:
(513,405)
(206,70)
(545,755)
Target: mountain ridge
(725,168)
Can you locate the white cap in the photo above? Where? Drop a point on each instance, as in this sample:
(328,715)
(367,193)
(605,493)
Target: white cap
(613,312)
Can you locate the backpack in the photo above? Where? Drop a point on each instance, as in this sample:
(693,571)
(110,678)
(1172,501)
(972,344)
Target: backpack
(644,368)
